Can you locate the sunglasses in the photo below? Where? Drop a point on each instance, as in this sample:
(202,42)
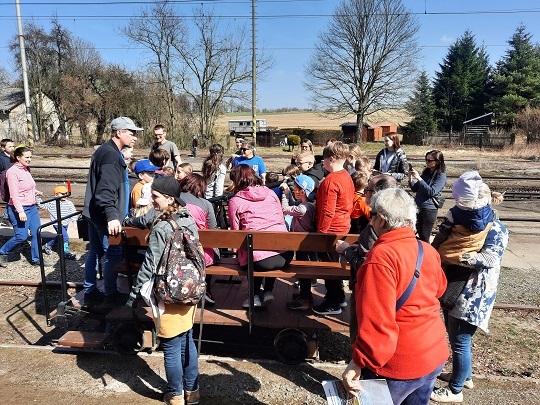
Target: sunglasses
(431,160)
(243,149)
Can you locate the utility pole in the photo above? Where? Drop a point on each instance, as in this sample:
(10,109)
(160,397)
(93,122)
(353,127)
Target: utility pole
(253,74)
(30,132)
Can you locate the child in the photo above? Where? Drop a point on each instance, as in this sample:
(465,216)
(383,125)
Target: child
(303,220)
(360,215)
(66,208)
(363,163)
(272,178)
(143,203)
(145,170)
(183,170)
(334,207)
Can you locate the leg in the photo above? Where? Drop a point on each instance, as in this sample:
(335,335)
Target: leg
(113,256)
(95,253)
(460,335)
(172,356)
(34,222)
(190,363)
(272,263)
(425,222)
(21,232)
(334,288)
(66,237)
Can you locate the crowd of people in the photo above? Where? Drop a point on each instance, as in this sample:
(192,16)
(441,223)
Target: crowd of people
(398,279)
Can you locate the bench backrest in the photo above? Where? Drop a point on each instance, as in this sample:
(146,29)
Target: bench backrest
(262,240)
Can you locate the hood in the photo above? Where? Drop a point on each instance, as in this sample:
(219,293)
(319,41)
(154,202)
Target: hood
(254,193)
(474,220)
(316,171)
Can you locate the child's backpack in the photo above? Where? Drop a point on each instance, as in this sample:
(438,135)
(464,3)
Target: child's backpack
(4,188)
(180,277)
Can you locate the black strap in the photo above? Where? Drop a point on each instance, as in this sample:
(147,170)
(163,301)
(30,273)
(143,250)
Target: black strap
(405,296)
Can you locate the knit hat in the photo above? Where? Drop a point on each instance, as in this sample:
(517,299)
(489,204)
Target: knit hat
(169,186)
(145,165)
(145,195)
(60,190)
(306,183)
(465,191)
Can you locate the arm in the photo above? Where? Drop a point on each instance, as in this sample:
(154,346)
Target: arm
(178,160)
(445,229)
(142,222)
(210,216)
(435,188)
(402,167)
(220,180)
(234,221)
(491,254)
(356,254)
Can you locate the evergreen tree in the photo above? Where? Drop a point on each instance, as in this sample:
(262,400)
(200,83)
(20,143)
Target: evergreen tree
(516,80)
(422,108)
(461,88)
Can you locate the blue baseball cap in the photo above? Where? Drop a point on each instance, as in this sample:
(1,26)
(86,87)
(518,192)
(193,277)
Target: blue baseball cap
(145,165)
(306,183)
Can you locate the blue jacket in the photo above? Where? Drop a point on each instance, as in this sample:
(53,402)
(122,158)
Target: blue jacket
(5,162)
(426,189)
(473,220)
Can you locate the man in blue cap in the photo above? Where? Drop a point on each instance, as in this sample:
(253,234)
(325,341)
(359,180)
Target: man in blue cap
(106,204)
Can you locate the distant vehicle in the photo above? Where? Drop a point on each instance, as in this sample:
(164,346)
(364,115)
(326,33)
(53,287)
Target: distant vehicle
(245,126)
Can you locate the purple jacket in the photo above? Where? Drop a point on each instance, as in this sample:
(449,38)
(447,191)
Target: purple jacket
(256,208)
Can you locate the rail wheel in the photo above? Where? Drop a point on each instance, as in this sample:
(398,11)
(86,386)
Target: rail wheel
(291,346)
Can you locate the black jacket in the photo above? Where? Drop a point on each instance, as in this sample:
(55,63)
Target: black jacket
(106,193)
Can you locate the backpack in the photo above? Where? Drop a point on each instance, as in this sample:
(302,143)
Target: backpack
(4,188)
(180,277)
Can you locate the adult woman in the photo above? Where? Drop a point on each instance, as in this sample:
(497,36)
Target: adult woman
(193,188)
(391,159)
(474,304)
(21,207)
(174,322)
(214,172)
(426,186)
(355,153)
(257,207)
(251,159)
(305,146)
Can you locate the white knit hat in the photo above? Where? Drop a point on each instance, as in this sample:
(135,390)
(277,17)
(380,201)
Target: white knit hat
(465,191)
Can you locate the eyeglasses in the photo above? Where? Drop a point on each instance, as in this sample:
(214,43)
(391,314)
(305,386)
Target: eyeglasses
(300,163)
(243,149)
(369,190)
(431,160)
(373,214)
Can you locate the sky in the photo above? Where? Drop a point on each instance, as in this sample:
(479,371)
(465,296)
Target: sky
(286,28)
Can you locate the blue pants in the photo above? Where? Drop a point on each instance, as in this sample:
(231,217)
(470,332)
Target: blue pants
(53,241)
(460,335)
(32,223)
(181,363)
(99,247)
(409,392)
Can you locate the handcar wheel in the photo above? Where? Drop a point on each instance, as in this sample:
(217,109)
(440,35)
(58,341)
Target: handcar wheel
(291,346)
(128,339)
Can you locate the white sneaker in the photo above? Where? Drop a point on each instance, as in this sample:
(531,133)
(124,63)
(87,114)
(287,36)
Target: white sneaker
(443,394)
(469,384)
(268,298)
(256,302)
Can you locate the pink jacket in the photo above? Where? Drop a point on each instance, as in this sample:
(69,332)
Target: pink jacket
(256,208)
(22,187)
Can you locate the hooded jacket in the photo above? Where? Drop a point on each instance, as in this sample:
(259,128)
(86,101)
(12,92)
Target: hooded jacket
(256,208)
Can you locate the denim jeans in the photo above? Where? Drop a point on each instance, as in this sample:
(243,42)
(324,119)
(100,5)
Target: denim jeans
(460,335)
(409,392)
(65,235)
(425,222)
(181,363)
(99,247)
(32,223)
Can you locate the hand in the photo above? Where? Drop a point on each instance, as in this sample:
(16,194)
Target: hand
(39,193)
(114,227)
(22,216)
(285,187)
(351,377)
(341,246)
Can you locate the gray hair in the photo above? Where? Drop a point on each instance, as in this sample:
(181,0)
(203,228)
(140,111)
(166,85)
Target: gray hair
(397,207)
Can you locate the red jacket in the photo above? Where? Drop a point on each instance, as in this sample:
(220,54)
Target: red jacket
(412,342)
(334,203)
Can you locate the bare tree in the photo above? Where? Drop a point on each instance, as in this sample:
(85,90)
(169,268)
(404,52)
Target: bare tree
(5,78)
(161,31)
(365,59)
(216,61)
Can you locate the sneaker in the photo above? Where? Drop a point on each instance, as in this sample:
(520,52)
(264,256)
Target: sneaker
(327,308)
(93,298)
(299,304)
(469,384)
(444,394)
(3,260)
(70,256)
(343,304)
(46,263)
(171,399)
(314,282)
(47,250)
(208,298)
(296,284)
(268,298)
(256,302)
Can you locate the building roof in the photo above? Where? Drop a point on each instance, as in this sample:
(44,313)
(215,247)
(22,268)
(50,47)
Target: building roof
(351,124)
(10,97)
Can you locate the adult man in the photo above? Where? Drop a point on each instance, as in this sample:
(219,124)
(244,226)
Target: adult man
(404,344)
(356,254)
(249,158)
(6,146)
(306,164)
(106,204)
(230,161)
(161,143)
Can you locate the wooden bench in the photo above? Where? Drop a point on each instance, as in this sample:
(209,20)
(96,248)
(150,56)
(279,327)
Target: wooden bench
(259,240)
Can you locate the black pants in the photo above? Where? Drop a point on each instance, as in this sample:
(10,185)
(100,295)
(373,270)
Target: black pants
(305,283)
(271,263)
(334,288)
(425,222)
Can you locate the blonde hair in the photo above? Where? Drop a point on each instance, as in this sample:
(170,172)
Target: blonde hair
(306,156)
(493,197)
(140,210)
(355,151)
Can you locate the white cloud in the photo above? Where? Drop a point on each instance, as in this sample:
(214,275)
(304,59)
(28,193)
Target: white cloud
(446,39)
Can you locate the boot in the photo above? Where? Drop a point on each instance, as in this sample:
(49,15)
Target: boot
(171,399)
(192,397)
